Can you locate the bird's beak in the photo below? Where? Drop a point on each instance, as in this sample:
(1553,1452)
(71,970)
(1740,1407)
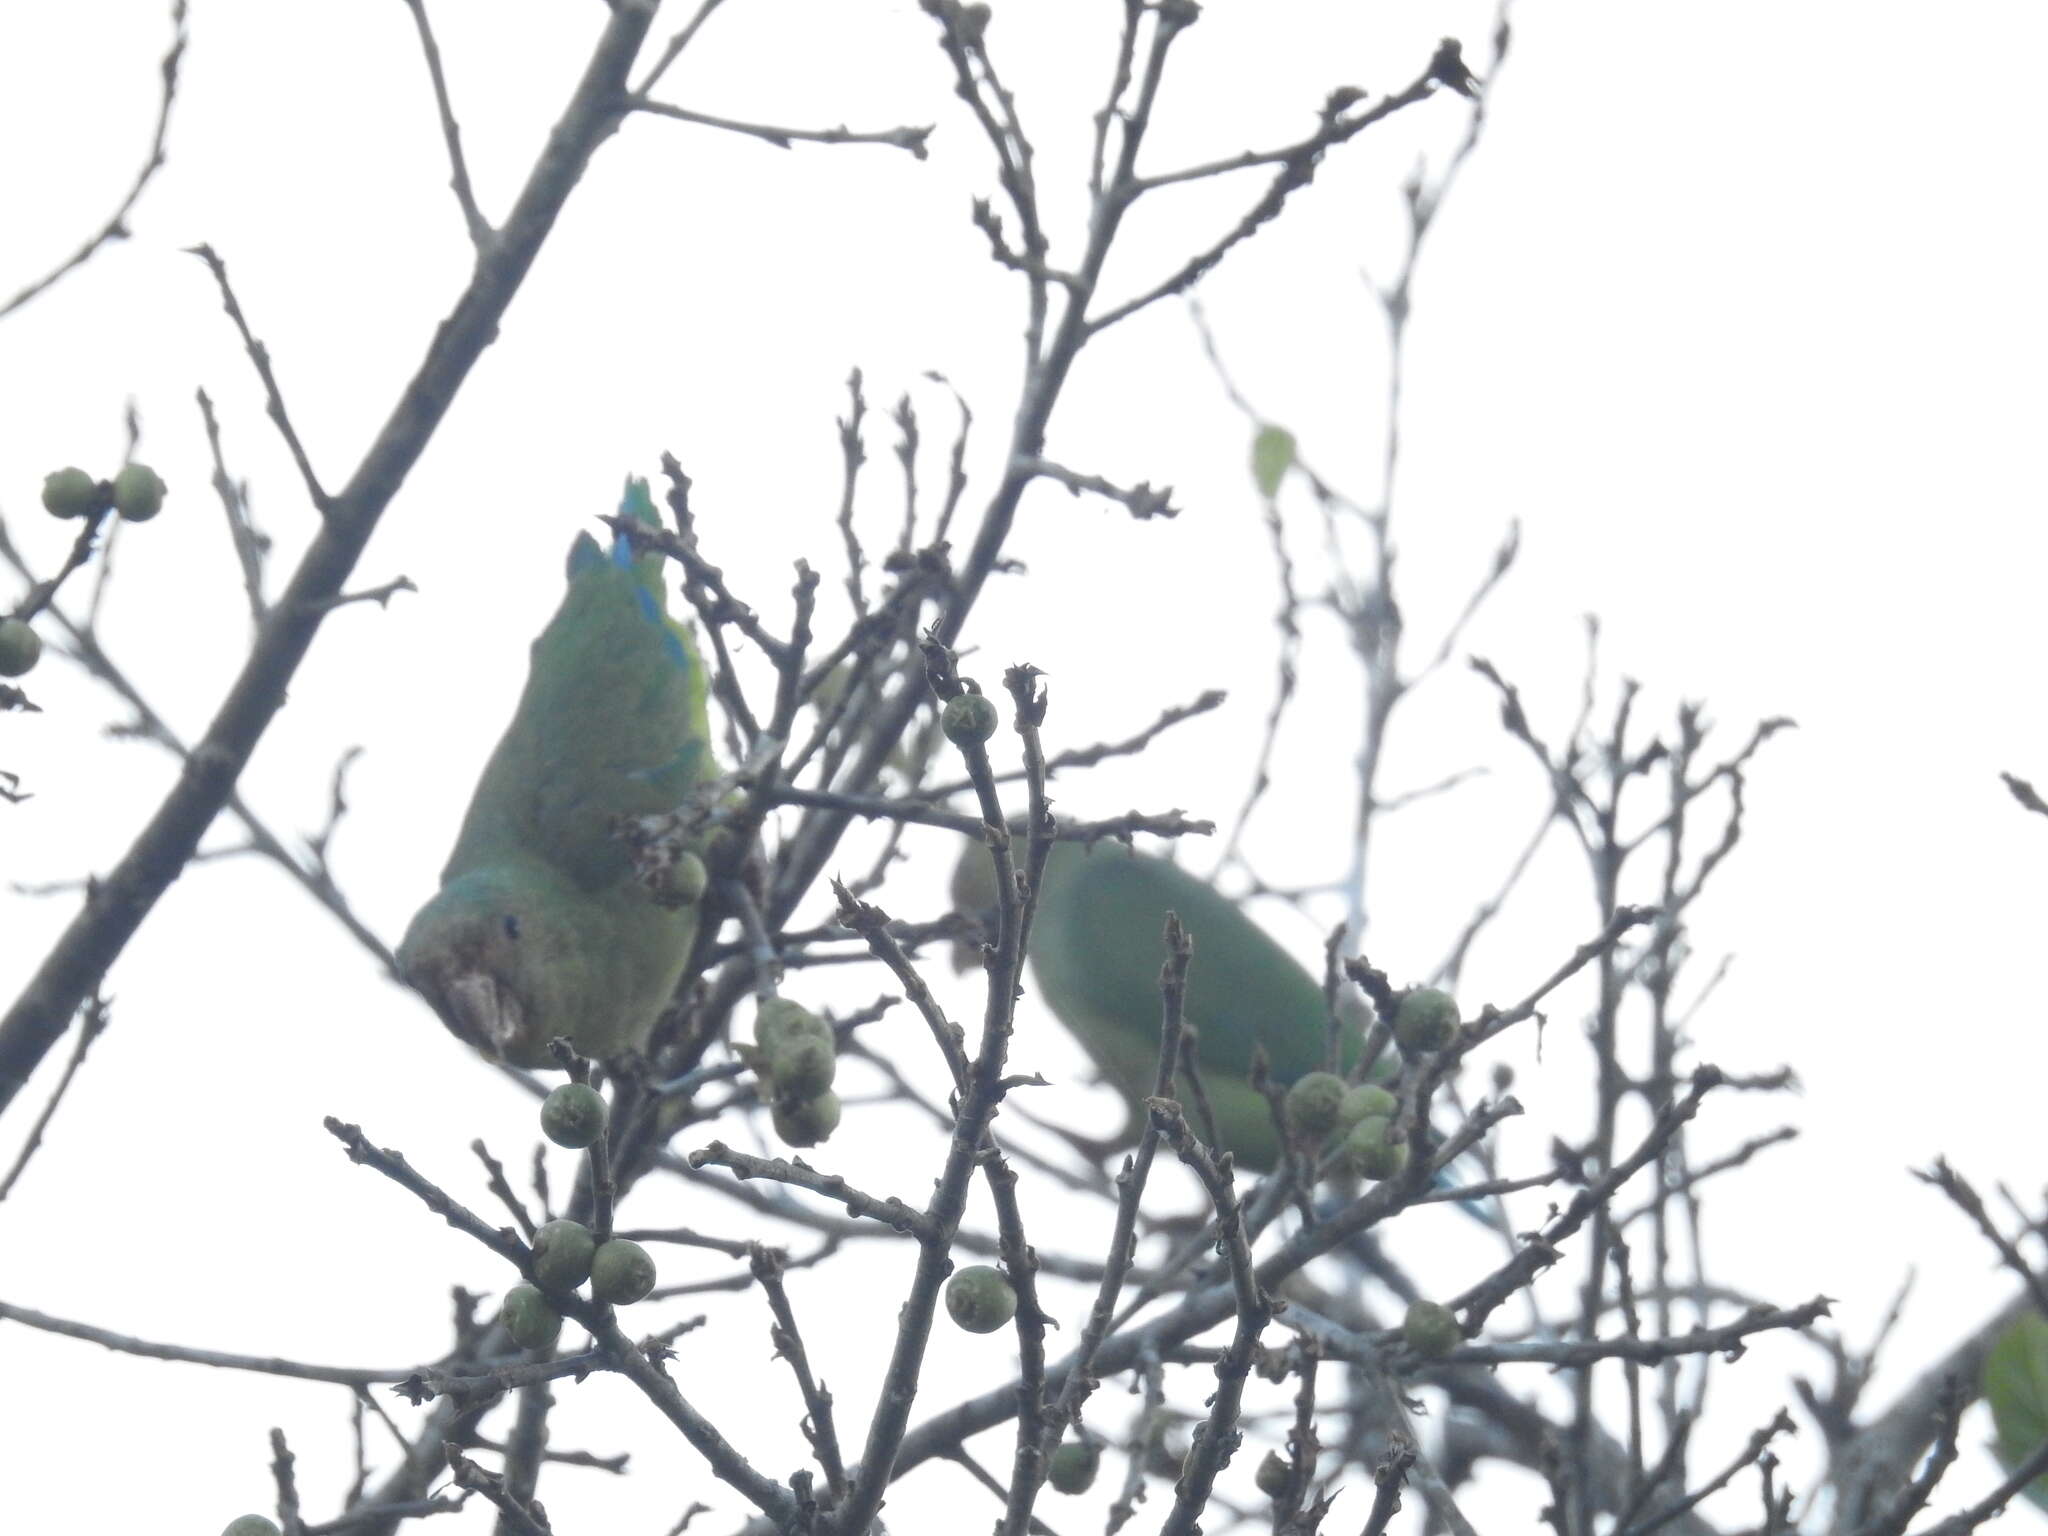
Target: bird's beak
(487,1015)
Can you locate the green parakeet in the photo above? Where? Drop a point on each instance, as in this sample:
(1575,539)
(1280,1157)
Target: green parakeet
(540,927)
(2016,1387)
(1096,951)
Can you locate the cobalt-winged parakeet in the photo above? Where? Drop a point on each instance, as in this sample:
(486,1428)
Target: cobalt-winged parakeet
(540,927)
(1096,951)
(2016,1387)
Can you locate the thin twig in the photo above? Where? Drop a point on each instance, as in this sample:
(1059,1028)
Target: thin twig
(116,227)
(480,232)
(92,1023)
(906,138)
(273,394)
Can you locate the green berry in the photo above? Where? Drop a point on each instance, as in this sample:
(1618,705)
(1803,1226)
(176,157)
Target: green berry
(1366,1099)
(529,1317)
(72,492)
(1072,1468)
(573,1115)
(241,1525)
(138,492)
(806,1122)
(1369,1153)
(1310,1108)
(682,883)
(1431,1329)
(802,1067)
(980,1298)
(1425,1020)
(969,719)
(20,648)
(621,1272)
(781,1018)
(1274,1474)
(562,1252)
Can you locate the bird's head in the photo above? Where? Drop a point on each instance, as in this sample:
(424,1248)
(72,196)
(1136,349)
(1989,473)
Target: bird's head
(500,963)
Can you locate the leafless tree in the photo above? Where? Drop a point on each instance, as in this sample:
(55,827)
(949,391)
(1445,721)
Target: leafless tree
(1587,1350)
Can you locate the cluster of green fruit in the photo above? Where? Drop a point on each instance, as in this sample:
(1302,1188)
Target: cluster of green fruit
(796,1055)
(1321,1105)
(136,493)
(1430,1329)
(567,1253)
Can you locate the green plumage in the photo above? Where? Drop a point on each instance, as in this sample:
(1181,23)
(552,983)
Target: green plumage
(1096,950)
(540,927)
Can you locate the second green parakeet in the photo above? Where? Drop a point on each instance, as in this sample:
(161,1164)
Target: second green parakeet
(1096,951)
(2016,1386)
(540,927)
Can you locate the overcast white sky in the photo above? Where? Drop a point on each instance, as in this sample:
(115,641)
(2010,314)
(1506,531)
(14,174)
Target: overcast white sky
(1737,310)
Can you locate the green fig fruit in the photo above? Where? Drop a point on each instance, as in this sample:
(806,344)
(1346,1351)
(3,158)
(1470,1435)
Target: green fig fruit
(682,883)
(981,1298)
(1366,1099)
(781,1018)
(20,648)
(529,1317)
(969,719)
(621,1272)
(1425,1020)
(1273,452)
(806,1122)
(138,493)
(241,1525)
(1431,1329)
(1073,1466)
(562,1251)
(573,1115)
(71,492)
(1368,1151)
(1310,1108)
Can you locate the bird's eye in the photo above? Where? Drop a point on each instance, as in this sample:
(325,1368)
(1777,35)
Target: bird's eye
(511,926)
